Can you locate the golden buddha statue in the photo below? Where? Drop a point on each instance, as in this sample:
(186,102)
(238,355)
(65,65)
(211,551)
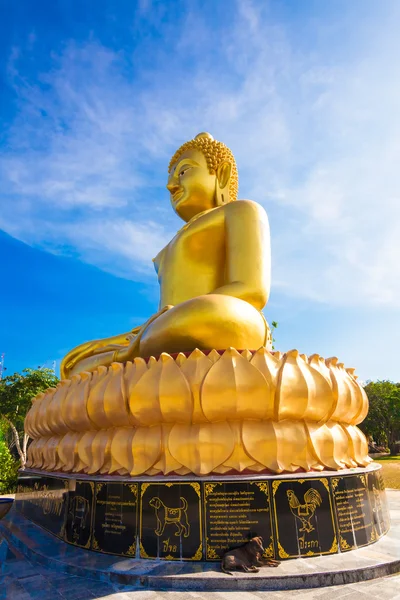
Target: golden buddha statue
(196,389)
(214,275)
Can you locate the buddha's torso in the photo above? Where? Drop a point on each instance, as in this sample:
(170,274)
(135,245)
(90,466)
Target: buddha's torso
(193,263)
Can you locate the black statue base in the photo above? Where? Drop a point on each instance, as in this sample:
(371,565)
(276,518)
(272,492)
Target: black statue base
(175,518)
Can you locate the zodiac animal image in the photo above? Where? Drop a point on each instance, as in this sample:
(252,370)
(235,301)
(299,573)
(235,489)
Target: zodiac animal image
(304,512)
(166,516)
(79,511)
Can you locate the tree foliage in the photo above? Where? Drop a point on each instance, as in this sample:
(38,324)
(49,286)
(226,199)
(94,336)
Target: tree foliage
(16,393)
(8,469)
(383,421)
(274,326)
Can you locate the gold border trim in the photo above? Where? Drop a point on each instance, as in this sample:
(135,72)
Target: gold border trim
(263,486)
(142,551)
(344,545)
(88,543)
(282,552)
(134,490)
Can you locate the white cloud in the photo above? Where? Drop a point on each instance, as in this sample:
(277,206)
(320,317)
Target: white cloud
(316,136)
(132,245)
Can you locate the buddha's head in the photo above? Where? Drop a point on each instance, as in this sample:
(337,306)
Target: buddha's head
(202,175)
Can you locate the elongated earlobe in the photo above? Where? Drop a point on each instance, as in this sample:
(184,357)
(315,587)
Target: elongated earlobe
(223,174)
(222,183)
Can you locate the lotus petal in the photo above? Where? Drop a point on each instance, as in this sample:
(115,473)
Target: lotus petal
(54,417)
(363,399)
(30,425)
(146,448)
(41,415)
(35,457)
(269,363)
(68,452)
(279,446)
(330,444)
(115,397)
(348,398)
(214,356)
(239,460)
(50,453)
(162,394)
(121,451)
(101,451)
(183,471)
(133,373)
(195,369)
(302,391)
(234,388)
(166,463)
(201,447)
(175,399)
(358,445)
(95,401)
(85,450)
(74,408)
(180,359)
(144,394)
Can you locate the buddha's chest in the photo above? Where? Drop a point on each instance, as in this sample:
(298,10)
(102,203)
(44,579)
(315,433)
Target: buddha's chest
(193,263)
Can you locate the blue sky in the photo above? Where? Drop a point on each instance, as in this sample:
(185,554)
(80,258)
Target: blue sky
(96,97)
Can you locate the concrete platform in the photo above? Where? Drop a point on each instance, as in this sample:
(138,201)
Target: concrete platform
(378,560)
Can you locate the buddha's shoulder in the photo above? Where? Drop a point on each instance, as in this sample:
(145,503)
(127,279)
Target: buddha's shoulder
(245,208)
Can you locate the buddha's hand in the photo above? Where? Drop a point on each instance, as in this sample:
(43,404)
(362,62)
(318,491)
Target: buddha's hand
(127,352)
(114,347)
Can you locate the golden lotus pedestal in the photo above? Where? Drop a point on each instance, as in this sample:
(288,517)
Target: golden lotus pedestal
(184,456)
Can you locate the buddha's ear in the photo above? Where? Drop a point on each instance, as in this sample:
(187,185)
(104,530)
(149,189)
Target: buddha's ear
(223,174)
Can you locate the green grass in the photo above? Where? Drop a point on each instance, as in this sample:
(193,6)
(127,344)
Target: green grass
(390,471)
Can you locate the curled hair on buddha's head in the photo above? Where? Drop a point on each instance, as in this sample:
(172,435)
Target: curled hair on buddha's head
(215,154)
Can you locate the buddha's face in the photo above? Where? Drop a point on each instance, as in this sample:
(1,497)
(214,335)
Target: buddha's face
(191,185)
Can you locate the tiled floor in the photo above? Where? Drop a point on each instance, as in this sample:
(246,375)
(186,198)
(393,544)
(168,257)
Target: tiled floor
(22,580)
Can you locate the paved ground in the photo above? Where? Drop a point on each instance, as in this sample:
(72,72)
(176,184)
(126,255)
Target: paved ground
(24,581)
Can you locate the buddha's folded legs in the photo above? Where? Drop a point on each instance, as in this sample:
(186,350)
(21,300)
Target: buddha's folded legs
(207,322)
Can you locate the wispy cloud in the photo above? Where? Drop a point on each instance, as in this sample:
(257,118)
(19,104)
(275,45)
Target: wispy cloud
(315,130)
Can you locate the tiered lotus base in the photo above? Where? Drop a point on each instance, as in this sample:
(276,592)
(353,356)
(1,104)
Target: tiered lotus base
(225,412)
(198,518)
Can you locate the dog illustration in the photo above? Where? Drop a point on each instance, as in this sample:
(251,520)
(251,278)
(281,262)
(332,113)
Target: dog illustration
(247,557)
(166,515)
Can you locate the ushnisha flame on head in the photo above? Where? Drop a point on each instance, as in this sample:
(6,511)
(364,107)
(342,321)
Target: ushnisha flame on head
(215,154)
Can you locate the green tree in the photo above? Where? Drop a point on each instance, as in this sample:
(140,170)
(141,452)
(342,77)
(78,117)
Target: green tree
(16,393)
(383,420)
(274,326)
(8,469)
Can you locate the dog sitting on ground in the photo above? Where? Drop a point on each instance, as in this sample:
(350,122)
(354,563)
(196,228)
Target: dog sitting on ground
(247,558)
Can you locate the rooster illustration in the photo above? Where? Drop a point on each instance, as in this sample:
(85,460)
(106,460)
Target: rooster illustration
(304,512)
